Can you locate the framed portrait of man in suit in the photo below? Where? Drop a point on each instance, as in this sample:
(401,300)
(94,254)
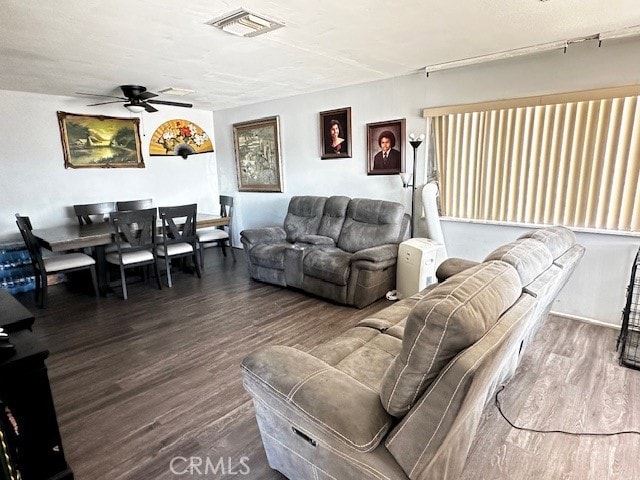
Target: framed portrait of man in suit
(385,147)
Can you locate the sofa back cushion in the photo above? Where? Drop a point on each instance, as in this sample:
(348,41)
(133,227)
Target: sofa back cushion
(370,223)
(557,239)
(335,211)
(303,216)
(450,318)
(530,257)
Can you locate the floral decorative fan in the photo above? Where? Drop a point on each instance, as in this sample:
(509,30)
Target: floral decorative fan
(179,137)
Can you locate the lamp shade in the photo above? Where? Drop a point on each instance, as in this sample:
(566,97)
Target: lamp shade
(406,179)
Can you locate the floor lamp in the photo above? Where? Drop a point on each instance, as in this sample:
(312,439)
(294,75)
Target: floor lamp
(415,142)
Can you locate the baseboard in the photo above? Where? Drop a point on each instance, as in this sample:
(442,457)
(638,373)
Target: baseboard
(585,320)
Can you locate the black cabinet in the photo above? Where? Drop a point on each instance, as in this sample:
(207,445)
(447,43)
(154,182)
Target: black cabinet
(13,315)
(25,391)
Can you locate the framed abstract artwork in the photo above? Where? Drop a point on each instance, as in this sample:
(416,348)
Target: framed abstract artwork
(257,149)
(385,147)
(335,133)
(98,141)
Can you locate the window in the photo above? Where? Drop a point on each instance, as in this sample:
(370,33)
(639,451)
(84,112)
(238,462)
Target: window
(571,159)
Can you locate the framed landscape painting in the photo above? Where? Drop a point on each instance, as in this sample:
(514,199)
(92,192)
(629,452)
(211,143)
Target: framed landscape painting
(92,141)
(257,149)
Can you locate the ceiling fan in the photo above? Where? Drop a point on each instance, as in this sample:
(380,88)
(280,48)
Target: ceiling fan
(137,99)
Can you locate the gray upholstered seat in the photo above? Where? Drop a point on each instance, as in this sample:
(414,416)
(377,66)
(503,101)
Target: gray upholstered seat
(400,395)
(338,248)
(329,264)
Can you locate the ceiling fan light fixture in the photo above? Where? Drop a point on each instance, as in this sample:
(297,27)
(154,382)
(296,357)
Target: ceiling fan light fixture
(133,108)
(244,23)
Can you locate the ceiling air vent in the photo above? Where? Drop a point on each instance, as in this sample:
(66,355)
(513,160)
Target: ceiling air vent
(244,23)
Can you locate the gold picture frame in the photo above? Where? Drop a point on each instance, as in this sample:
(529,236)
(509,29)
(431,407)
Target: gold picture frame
(99,141)
(257,150)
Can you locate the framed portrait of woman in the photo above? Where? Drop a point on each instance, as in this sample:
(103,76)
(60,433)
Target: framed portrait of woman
(335,133)
(385,152)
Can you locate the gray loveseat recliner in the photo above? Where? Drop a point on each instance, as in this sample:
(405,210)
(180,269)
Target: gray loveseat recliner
(400,395)
(338,248)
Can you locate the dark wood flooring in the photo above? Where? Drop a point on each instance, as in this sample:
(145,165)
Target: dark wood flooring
(140,382)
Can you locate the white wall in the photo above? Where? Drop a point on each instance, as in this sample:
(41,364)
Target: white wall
(34,181)
(595,292)
(304,172)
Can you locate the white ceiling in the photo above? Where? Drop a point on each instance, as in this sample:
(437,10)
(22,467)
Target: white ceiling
(67,46)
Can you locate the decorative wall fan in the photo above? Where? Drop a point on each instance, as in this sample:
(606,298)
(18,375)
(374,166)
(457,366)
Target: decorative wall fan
(136,99)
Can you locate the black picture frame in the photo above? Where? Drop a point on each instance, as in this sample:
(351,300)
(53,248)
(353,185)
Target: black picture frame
(394,131)
(341,118)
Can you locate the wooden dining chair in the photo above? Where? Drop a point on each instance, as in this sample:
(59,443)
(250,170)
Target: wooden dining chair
(178,235)
(134,205)
(42,266)
(94,212)
(215,234)
(134,234)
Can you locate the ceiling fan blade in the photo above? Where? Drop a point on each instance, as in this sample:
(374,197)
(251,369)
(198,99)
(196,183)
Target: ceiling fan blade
(175,104)
(102,96)
(148,107)
(146,95)
(105,103)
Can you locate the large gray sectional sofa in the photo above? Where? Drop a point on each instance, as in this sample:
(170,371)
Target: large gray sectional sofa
(340,248)
(400,395)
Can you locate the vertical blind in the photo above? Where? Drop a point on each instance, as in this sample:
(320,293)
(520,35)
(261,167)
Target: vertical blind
(575,164)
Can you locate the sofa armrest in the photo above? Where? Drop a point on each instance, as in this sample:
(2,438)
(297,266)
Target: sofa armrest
(451,266)
(326,400)
(316,240)
(263,235)
(381,253)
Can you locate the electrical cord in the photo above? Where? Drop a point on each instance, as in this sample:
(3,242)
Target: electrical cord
(576,434)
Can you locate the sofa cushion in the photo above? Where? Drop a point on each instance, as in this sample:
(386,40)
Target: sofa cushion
(303,216)
(335,211)
(329,264)
(451,266)
(332,402)
(316,240)
(557,239)
(528,256)
(453,316)
(370,223)
(269,255)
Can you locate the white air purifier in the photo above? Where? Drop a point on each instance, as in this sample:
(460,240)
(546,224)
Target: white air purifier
(418,259)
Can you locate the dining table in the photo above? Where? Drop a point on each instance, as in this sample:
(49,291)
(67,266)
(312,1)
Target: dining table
(97,236)
(72,237)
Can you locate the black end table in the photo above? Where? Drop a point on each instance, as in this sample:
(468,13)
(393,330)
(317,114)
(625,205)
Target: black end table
(13,315)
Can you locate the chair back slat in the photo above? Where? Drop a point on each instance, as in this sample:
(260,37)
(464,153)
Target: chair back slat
(135,230)
(134,205)
(33,247)
(226,206)
(90,212)
(179,223)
